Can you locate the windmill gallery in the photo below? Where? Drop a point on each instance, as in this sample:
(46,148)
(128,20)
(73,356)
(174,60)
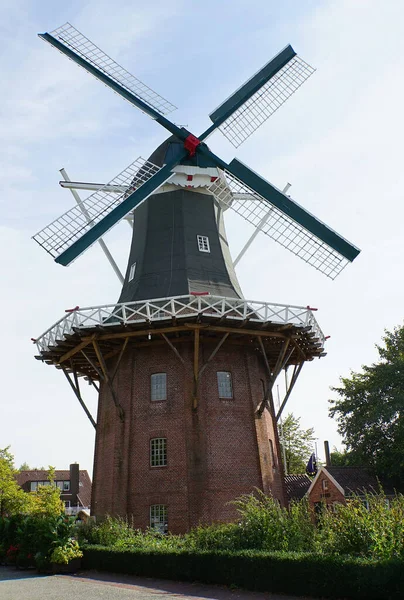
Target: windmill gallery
(183,364)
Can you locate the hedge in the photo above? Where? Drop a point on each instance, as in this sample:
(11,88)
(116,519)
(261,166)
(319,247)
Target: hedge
(286,573)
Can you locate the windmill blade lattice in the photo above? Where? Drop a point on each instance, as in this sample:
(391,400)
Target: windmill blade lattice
(59,235)
(257,210)
(256,109)
(72,39)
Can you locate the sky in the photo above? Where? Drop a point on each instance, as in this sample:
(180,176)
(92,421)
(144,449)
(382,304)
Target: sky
(338,141)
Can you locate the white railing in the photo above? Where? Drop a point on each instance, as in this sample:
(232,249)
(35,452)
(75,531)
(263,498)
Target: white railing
(179,307)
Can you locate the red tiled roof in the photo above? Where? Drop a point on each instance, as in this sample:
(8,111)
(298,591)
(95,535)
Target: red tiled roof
(64,475)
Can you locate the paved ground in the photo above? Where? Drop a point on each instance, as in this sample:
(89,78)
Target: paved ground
(27,585)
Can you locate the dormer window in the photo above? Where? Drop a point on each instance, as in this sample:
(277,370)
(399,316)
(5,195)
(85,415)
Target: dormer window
(132,271)
(203,243)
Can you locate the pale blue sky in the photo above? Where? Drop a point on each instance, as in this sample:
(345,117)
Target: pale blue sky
(337,140)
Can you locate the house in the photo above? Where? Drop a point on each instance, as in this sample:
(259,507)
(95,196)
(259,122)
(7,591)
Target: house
(334,485)
(74,485)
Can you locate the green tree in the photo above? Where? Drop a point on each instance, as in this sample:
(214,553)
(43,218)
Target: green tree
(13,499)
(297,444)
(370,410)
(46,501)
(24,467)
(343,458)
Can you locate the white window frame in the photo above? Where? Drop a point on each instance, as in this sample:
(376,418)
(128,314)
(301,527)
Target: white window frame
(203,243)
(159,518)
(158,387)
(225,385)
(158,452)
(132,272)
(34,486)
(324,485)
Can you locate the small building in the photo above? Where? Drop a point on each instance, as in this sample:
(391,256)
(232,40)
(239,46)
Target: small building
(334,485)
(74,485)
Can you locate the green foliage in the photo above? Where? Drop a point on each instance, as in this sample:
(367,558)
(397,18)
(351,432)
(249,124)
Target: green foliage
(36,536)
(13,499)
(62,555)
(297,444)
(344,458)
(370,527)
(370,410)
(288,573)
(46,500)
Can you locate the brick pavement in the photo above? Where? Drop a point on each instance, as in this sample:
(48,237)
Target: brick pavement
(27,585)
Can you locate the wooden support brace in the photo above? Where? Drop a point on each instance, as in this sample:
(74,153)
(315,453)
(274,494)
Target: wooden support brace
(118,362)
(93,365)
(215,351)
(74,351)
(173,348)
(107,380)
(295,375)
(77,393)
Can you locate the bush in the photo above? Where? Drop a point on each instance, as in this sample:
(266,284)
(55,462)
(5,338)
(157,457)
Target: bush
(371,528)
(291,573)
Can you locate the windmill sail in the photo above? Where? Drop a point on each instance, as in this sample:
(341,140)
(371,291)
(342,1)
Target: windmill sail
(252,104)
(59,235)
(89,56)
(286,222)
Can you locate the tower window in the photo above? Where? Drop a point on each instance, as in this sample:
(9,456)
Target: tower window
(203,243)
(158,452)
(132,271)
(224,384)
(158,518)
(158,384)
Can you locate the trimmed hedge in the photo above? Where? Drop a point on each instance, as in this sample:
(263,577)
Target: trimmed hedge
(291,573)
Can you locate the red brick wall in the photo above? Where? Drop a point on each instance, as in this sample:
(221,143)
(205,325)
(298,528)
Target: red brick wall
(214,454)
(328,496)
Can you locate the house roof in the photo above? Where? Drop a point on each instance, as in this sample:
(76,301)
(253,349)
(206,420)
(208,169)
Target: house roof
(297,486)
(60,475)
(356,480)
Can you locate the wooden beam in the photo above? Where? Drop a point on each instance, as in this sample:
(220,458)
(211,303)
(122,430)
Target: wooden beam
(118,362)
(219,345)
(173,348)
(93,365)
(74,351)
(107,379)
(78,396)
(290,388)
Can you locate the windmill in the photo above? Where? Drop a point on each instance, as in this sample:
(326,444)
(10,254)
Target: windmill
(183,364)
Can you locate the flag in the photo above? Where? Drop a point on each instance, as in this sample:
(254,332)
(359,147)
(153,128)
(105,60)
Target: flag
(311,468)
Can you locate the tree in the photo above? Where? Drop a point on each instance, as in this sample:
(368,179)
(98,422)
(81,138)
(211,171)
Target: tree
(297,444)
(24,467)
(343,458)
(13,499)
(46,501)
(370,410)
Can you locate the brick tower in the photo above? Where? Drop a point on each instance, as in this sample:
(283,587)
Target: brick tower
(186,420)
(183,364)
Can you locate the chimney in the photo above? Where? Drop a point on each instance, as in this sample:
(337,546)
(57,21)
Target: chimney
(74,482)
(327,454)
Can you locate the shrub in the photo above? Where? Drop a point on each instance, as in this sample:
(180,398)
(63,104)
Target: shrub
(291,573)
